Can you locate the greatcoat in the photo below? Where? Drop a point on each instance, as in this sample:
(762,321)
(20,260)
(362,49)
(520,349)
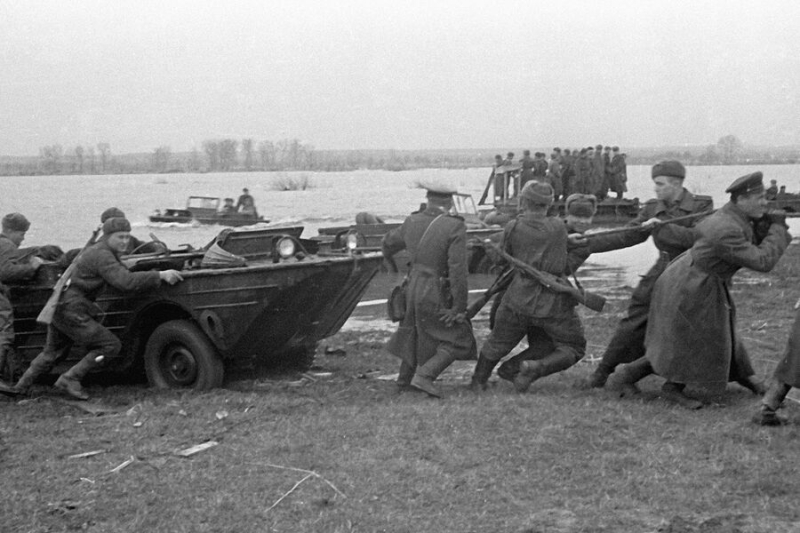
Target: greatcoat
(691,333)
(788,369)
(437,281)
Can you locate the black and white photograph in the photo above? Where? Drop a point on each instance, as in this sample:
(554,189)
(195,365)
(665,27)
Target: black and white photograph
(361,266)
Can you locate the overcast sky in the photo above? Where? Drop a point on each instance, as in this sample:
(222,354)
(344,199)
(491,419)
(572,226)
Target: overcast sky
(398,74)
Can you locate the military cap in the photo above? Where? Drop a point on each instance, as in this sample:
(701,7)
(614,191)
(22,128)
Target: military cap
(748,184)
(669,168)
(111,212)
(615,148)
(439,190)
(557,149)
(116,224)
(538,192)
(510,154)
(599,147)
(15,222)
(526,152)
(581,205)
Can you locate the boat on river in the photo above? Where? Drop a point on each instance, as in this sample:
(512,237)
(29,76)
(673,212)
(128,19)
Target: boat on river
(250,298)
(504,205)
(205,210)
(788,201)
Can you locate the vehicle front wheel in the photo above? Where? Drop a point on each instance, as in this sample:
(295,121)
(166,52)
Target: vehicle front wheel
(179,355)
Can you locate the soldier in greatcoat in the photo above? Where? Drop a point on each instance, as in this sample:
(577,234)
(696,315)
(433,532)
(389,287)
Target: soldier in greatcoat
(434,331)
(672,200)
(691,332)
(528,308)
(599,185)
(567,173)
(76,318)
(12,269)
(617,177)
(786,376)
(583,173)
(553,176)
(527,162)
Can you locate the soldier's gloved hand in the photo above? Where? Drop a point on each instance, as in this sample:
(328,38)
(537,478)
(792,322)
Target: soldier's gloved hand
(777,217)
(451,316)
(170,276)
(761,228)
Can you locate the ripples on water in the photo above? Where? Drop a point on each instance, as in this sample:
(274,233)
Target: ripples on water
(65,209)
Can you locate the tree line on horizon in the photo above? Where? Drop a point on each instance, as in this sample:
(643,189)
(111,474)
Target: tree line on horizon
(248,155)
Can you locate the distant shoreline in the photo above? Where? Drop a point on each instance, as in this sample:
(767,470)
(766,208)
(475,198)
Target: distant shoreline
(294,156)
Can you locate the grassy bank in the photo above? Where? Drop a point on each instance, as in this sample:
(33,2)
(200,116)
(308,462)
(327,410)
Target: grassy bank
(341,450)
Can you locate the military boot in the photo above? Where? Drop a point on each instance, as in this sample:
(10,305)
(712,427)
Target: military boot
(510,368)
(36,369)
(767,414)
(530,371)
(625,378)
(753,385)
(404,377)
(430,370)
(674,392)
(480,378)
(598,378)
(70,381)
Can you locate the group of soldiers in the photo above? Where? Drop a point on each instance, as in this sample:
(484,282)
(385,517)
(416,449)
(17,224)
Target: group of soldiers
(76,318)
(680,321)
(594,170)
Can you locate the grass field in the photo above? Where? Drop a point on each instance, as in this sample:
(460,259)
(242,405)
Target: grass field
(342,451)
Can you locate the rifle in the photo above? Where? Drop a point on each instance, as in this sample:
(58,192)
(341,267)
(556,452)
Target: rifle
(501,283)
(49,309)
(595,302)
(625,229)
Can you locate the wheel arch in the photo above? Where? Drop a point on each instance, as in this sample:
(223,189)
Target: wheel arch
(147,320)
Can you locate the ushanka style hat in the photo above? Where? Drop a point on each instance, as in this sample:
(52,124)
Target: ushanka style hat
(669,168)
(111,212)
(581,205)
(538,192)
(116,224)
(15,222)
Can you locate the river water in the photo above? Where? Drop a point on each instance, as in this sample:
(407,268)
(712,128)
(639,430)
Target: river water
(64,210)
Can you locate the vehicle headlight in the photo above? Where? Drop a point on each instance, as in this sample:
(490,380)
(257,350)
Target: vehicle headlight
(286,248)
(352,241)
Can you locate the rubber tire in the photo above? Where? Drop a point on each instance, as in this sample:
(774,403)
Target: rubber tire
(186,341)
